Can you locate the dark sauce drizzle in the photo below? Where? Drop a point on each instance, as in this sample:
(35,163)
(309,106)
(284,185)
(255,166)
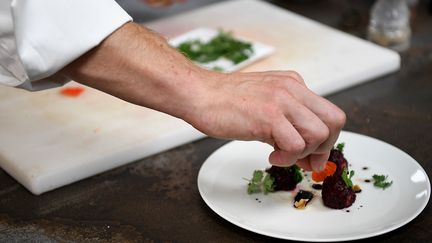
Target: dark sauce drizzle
(317,186)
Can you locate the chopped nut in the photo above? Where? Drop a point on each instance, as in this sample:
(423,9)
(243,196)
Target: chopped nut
(301,204)
(356,188)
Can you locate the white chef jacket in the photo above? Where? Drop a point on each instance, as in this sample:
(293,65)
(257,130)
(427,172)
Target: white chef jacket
(40,37)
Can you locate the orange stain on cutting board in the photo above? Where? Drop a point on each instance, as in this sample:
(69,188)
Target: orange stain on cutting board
(72,91)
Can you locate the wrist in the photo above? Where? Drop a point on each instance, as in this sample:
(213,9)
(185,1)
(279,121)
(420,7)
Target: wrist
(194,94)
(137,65)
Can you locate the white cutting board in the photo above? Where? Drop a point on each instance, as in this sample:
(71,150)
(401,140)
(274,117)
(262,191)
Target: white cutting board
(48,140)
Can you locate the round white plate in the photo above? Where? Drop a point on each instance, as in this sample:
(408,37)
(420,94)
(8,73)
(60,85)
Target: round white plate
(376,211)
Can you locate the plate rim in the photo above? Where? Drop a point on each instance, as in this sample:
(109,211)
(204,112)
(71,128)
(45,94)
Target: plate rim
(228,217)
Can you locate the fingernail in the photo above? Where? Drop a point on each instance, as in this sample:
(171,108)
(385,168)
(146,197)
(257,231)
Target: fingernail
(318,161)
(318,167)
(273,158)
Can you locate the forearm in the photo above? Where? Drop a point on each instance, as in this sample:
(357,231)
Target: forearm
(137,65)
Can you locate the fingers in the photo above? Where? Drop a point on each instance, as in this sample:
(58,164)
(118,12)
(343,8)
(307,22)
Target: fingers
(318,161)
(317,121)
(311,128)
(304,126)
(299,138)
(304,163)
(289,145)
(314,162)
(333,117)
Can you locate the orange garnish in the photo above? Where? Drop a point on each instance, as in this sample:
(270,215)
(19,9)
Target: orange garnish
(72,91)
(330,169)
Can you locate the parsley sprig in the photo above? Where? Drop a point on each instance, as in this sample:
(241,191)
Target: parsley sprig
(260,183)
(346,177)
(268,184)
(297,173)
(340,147)
(381,181)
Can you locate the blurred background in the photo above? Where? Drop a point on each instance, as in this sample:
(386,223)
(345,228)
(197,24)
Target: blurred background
(147,10)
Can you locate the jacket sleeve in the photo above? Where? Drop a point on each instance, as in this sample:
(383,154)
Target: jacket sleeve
(40,37)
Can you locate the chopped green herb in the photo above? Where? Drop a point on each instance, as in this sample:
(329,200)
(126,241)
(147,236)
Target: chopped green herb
(347,177)
(340,147)
(381,181)
(223,45)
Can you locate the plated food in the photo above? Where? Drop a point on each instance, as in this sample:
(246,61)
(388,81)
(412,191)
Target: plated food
(337,188)
(375,211)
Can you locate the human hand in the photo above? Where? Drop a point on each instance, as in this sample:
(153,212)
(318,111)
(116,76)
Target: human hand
(274,107)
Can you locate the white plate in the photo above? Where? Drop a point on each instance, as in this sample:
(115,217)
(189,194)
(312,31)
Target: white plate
(260,50)
(375,211)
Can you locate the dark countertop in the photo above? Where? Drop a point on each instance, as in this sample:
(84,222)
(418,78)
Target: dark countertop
(156,199)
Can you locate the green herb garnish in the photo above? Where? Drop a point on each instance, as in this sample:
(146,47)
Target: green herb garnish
(340,147)
(381,181)
(298,177)
(268,184)
(224,45)
(254,185)
(264,182)
(346,177)
(260,183)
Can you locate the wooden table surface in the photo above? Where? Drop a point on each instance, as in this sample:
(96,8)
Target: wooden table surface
(156,199)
